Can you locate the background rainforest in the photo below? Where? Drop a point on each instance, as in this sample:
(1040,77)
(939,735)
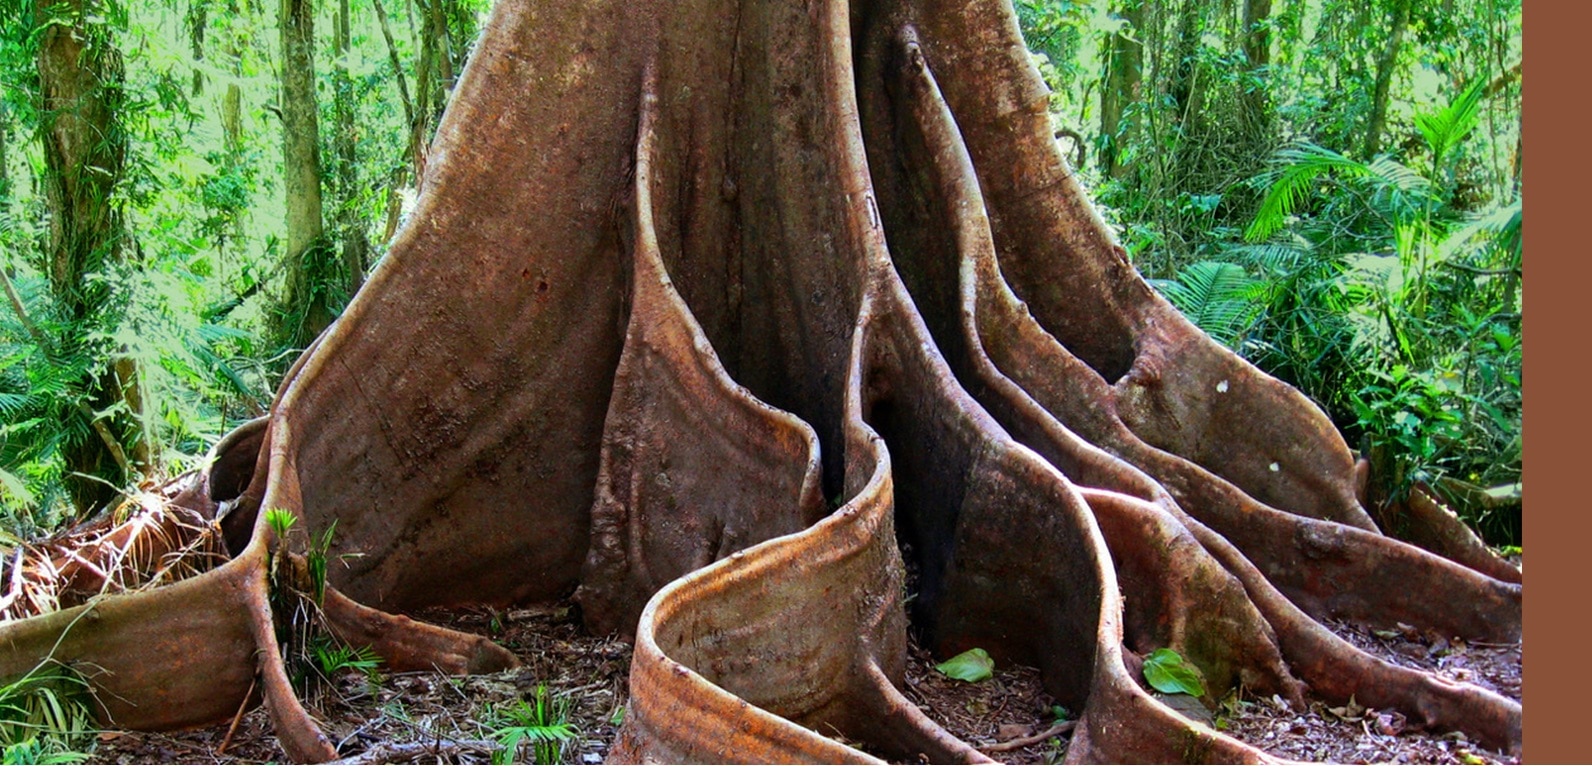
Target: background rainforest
(1331,188)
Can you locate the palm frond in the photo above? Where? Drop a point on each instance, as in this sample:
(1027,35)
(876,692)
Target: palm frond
(1276,258)
(1445,128)
(1295,168)
(1388,175)
(1220,298)
(1497,227)
(13,487)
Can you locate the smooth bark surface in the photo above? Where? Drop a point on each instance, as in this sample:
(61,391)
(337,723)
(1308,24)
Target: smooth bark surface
(710,311)
(306,310)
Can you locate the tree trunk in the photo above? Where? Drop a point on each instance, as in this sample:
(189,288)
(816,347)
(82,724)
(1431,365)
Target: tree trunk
(428,102)
(5,163)
(397,65)
(351,228)
(1186,85)
(232,97)
(437,19)
(198,10)
(306,307)
(80,82)
(1256,29)
(1386,67)
(232,118)
(725,316)
(1124,70)
(413,149)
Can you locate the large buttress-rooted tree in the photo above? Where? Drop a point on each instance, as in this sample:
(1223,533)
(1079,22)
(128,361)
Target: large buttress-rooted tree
(707,312)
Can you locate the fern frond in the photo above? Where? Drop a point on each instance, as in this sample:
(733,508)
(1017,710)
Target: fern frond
(1295,168)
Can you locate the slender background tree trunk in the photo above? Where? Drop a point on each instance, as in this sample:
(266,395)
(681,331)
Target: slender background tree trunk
(351,229)
(5,169)
(198,11)
(1386,65)
(1124,70)
(1257,51)
(80,83)
(306,309)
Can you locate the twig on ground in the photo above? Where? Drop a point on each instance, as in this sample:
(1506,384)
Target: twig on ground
(242,706)
(432,751)
(1022,742)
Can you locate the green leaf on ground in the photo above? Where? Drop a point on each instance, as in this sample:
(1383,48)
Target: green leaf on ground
(1168,672)
(973,665)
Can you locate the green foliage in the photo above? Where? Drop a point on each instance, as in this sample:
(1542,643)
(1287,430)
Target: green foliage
(1394,310)
(201,204)
(46,715)
(1390,189)
(33,751)
(281,521)
(1445,128)
(315,561)
(542,721)
(1410,413)
(1167,672)
(332,657)
(972,666)
(1221,297)
(1059,34)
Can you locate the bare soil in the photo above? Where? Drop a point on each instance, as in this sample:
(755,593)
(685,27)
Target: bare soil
(1010,706)
(1354,734)
(427,717)
(432,718)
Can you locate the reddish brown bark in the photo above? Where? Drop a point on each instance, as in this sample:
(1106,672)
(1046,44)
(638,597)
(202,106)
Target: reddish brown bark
(705,315)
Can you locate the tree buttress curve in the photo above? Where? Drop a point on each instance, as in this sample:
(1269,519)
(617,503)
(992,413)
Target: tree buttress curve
(706,309)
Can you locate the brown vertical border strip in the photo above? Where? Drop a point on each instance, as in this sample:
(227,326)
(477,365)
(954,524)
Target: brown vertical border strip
(1557,529)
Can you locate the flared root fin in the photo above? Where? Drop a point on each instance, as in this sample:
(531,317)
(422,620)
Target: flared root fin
(1424,521)
(775,634)
(176,656)
(405,644)
(1177,595)
(797,627)
(1059,611)
(1059,257)
(693,466)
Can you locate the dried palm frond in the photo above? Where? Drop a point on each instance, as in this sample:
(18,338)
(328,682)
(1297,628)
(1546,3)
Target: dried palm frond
(144,542)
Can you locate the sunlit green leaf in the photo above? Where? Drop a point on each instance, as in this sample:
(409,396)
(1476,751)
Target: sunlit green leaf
(973,665)
(1168,672)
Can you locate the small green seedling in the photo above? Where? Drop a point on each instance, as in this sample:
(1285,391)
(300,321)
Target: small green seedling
(542,720)
(281,521)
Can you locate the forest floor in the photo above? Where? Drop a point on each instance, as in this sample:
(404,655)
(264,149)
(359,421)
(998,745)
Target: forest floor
(432,718)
